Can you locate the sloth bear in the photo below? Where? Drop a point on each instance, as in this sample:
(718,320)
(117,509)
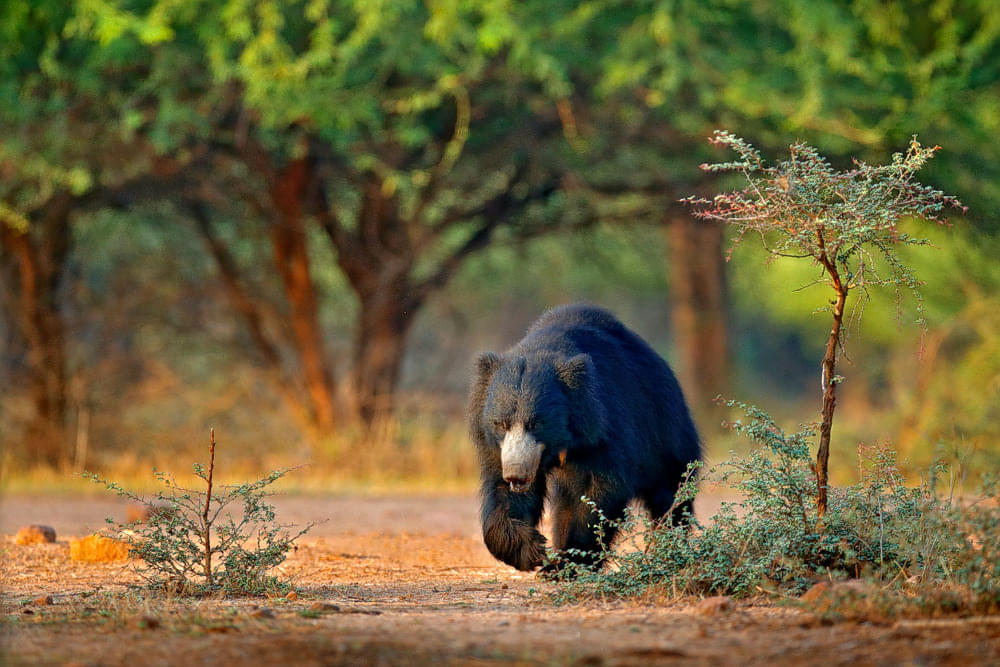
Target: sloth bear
(581,406)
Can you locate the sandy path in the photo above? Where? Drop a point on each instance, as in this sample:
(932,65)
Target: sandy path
(412,585)
(458,515)
(334,515)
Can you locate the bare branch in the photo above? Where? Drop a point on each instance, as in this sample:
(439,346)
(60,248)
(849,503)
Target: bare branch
(496,212)
(239,297)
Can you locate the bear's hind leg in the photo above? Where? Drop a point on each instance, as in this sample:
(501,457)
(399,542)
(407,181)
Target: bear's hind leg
(575,524)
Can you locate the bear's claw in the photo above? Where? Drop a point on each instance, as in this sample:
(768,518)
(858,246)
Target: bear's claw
(515,543)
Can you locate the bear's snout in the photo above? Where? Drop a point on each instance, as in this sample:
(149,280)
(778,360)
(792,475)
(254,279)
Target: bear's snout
(520,454)
(519,486)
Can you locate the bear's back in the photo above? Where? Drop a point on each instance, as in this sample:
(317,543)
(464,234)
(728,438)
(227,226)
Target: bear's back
(629,371)
(578,315)
(582,327)
(645,407)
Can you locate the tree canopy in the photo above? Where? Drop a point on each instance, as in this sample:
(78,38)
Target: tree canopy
(408,136)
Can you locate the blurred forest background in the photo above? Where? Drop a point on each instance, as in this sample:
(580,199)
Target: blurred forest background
(298,221)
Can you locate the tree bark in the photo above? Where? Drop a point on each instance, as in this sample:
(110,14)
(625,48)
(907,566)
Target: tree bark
(288,385)
(385,319)
(39,257)
(291,258)
(378,257)
(698,308)
(829,378)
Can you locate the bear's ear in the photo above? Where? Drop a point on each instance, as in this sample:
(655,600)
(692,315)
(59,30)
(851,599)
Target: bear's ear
(588,418)
(573,372)
(487,364)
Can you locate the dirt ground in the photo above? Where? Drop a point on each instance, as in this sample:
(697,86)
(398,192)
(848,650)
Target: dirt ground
(407,581)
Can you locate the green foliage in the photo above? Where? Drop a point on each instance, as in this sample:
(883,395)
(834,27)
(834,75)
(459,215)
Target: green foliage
(845,76)
(953,394)
(803,208)
(961,265)
(977,565)
(380,79)
(771,542)
(77,109)
(186,529)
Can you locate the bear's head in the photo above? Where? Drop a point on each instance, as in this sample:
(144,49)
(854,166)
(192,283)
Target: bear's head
(537,409)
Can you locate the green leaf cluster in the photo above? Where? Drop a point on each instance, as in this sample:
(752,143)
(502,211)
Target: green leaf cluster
(847,221)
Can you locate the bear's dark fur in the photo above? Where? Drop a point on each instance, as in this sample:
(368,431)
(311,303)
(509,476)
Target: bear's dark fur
(581,406)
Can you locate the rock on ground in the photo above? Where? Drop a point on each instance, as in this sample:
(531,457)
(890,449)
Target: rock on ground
(35,534)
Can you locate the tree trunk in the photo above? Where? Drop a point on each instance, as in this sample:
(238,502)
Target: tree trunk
(289,384)
(39,257)
(291,257)
(698,308)
(829,380)
(385,319)
(378,254)
(377,257)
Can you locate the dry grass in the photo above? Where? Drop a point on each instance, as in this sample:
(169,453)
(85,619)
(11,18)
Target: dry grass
(398,458)
(98,549)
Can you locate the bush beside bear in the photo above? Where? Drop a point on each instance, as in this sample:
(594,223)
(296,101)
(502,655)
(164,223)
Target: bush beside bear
(581,406)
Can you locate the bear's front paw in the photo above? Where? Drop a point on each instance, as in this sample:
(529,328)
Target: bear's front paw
(532,552)
(515,543)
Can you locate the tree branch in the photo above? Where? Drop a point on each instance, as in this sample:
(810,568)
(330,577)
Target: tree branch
(289,390)
(239,297)
(495,212)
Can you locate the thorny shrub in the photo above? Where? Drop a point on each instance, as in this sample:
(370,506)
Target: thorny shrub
(845,222)
(184,531)
(916,542)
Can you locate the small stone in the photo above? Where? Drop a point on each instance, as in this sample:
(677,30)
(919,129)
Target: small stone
(816,592)
(827,591)
(712,606)
(44,600)
(360,610)
(504,587)
(323,606)
(35,534)
(98,549)
(136,513)
(263,612)
(146,622)
(808,620)
(292,595)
